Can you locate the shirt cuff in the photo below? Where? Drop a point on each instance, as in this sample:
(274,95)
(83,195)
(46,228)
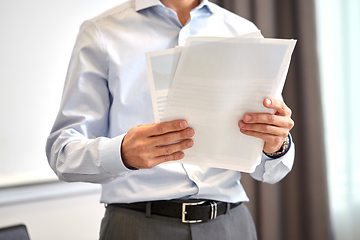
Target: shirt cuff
(273,170)
(110,155)
(287,159)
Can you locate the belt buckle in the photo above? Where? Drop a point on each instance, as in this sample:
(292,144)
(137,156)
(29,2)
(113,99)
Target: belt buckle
(183,218)
(213,210)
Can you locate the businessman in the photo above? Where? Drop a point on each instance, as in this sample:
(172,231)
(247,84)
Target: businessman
(104,132)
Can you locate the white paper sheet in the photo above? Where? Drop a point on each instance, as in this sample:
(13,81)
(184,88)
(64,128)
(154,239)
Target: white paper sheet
(216,82)
(162,65)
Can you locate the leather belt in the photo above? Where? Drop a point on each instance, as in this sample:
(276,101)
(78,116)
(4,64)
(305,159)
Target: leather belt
(188,211)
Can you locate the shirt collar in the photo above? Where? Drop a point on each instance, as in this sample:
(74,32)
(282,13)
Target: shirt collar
(142,4)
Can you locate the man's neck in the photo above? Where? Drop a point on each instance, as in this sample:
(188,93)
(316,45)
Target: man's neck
(182,8)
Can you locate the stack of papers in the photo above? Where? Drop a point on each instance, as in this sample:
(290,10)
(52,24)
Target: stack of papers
(212,82)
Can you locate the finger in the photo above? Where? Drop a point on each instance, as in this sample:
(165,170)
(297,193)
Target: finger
(166,127)
(278,105)
(263,128)
(268,138)
(172,157)
(146,125)
(171,137)
(173,148)
(267,118)
(152,162)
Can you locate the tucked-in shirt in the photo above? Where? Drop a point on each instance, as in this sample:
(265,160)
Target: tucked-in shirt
(107,92)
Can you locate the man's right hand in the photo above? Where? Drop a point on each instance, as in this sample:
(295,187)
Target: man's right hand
(146,146)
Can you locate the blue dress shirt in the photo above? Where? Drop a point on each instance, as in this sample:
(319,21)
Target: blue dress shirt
(107,92)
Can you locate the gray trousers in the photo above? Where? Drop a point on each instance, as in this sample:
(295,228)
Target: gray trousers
(120,223)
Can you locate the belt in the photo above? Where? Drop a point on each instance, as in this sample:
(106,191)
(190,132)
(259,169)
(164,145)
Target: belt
(188,211)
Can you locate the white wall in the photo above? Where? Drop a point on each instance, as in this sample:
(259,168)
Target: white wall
(36,42)
(37,38)
(63,218)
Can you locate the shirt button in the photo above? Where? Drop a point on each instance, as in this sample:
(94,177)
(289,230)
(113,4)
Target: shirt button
(195,178)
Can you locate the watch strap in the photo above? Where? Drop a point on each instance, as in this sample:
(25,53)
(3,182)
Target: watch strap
(283,149)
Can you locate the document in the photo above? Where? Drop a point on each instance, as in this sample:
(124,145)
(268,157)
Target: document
(212,83)
(162,65)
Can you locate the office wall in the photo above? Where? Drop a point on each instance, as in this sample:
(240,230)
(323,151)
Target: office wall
(37,38)
(62,218)
(36,42)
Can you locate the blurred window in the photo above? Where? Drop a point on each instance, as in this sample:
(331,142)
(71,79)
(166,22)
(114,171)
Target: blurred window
(338,24)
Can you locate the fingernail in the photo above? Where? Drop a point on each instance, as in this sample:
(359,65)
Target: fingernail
(242,124)
(190,143)
(183,124)
(247,118)
(190,132)
(268,102)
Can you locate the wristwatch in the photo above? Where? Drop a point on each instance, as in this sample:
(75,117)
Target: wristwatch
(283,149)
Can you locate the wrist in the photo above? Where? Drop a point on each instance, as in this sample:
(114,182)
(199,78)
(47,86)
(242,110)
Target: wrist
(283,149)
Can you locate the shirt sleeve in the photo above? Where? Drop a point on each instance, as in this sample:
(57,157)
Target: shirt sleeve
(273,170)
(78,148)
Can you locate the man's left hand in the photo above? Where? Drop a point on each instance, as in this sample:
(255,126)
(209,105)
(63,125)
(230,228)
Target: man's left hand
(272,128)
